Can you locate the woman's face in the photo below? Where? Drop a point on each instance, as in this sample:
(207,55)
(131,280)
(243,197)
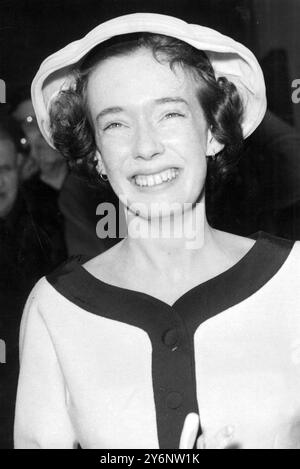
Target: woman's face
(150,130)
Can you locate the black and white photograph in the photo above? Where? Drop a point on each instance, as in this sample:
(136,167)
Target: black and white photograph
(149,226)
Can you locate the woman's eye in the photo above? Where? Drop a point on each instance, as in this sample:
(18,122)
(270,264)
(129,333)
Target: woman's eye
(173,114)
(113,125)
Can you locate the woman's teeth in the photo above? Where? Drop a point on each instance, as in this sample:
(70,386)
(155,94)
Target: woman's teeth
(155,179)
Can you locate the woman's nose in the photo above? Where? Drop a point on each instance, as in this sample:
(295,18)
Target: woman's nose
(147,142)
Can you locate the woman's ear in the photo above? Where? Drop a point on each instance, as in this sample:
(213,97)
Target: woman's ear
(99,166)
(212,145)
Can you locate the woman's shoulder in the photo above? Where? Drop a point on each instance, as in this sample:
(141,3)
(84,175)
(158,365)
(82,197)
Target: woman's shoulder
(78,280)
(41,300)
(40,291)
(264,253)
(282,254)
(56,293)
(44,290)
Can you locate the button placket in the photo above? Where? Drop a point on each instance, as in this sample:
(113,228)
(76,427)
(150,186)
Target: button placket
(171,338)
(175,394)
(174,400)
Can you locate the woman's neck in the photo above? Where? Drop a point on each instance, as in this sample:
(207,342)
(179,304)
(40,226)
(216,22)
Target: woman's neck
(166,267)
(162,242)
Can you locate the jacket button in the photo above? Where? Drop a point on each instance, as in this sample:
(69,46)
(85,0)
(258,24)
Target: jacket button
(174,400)
(171,338)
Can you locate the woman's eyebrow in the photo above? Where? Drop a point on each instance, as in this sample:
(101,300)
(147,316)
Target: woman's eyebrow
(171,99)
(109,110)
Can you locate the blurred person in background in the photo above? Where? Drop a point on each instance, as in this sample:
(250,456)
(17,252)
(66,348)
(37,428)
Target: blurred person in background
(43,161)
(43,174)
(27,252)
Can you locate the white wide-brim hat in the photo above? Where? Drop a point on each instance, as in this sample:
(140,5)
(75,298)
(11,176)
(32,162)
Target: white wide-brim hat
(228,58)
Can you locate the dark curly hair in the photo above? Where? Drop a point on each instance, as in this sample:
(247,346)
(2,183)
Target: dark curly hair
(71,127)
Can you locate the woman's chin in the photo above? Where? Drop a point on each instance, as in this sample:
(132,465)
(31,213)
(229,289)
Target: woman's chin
(159,210)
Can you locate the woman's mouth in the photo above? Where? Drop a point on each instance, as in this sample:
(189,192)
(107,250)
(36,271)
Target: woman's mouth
(148,180)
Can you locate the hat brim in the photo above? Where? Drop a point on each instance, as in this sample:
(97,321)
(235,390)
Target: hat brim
(228,58)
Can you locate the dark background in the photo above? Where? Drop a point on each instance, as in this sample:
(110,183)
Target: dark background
(30,30)
(33,29)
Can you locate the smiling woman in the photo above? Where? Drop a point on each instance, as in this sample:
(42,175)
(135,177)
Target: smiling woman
(192,75)
(137,346)
(148,95)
